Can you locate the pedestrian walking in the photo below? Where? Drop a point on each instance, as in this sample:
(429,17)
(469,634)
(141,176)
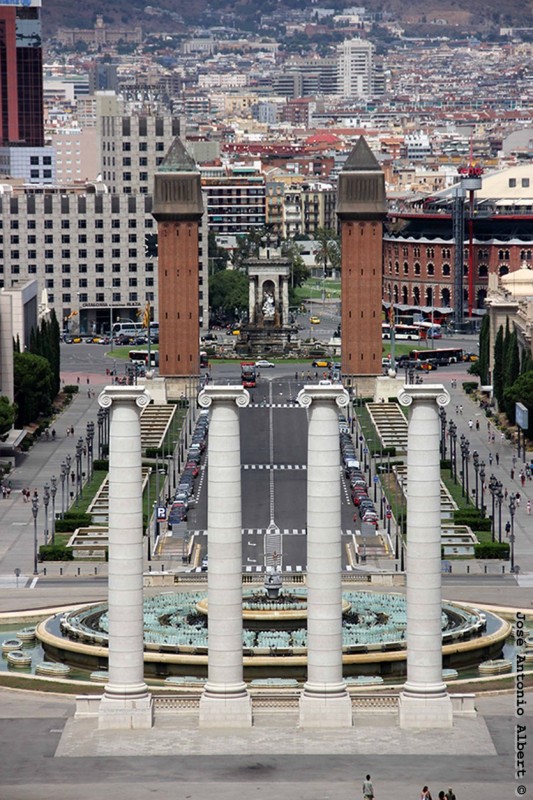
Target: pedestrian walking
(497,459)
(450,794)
(426,794)
(528,472)
(456,409)
(53,434)
(88,380)
(470,423)
(78,380)
(477,424)
(460,409)
(4,492)
(507,528)
(517,498)
(72,430)
(514,461)
(522,478)
(502,436)
(490,459)
(368,789)
(512,473)
(505,493)
(493,437)
(528,508)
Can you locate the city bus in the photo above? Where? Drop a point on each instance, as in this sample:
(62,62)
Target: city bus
(248,374)
(401,332)
(204,360)
(443,355)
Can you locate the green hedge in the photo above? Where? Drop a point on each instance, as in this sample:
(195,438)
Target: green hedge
(470,386)
(55,552)
(492,550)
(101,464)
(71,522)
(71,388)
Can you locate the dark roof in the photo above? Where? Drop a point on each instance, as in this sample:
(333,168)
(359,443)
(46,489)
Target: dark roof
(177,159)
(361,158)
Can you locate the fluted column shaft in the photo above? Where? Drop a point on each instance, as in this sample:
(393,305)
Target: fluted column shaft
(126,645)
(424,592)
(224,523)
(324,588)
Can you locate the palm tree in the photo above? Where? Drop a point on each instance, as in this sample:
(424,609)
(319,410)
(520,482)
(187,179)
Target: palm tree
(328,251)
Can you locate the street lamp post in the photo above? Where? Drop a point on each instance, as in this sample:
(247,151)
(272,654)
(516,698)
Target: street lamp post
(512,508)
(499,498)
(35,511)
(62,476)
(79,455)
(475,461)
(482,486)
(442,415)
(90,439)
(100,421)
(462,446)
(492,490)
(46,500)
(452,430)
(68,462)
(53,490)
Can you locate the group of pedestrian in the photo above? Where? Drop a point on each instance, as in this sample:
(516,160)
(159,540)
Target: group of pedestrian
(27,495)
(426,794)
(368,792)
(70,430)
(6,489)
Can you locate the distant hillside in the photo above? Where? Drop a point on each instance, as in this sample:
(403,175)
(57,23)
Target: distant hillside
(473,15)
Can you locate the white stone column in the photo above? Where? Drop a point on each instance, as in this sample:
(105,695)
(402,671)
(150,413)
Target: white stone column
(285,301)
(324,701)
(126,702)
(252,299)
(225,702)
(424,701)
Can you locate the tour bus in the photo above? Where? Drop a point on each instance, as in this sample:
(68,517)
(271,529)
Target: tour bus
(204,360)
(142,357)
(430,330)
(248,374)
(442,356)
(401,332)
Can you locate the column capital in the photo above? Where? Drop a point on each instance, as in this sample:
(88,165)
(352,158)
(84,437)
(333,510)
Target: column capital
(228,394)
(425,393)
(332,393)
(124,394)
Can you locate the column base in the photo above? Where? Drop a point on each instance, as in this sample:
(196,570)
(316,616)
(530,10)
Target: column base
(221,708)
(126,713)
(424,711)
(325,709)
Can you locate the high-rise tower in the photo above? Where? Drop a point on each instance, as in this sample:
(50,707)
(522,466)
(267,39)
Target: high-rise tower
(361,208)
(178,210)
(21,74)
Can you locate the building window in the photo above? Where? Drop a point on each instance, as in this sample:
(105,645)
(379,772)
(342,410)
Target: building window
(82,283)
(100,297)
(512,183)
(132,223)
(417,268)
(115,237)
(98,267)
(65,283)
(82,297)
(116,268)
(65,254)
(133,297)
(116,297)
(82,268)
(116,283)
(132,252)
(115,223)
(82,223)
(65,238)
(99,283)
(483,271)
(126,176)
(115,253)
(446,270)
(65,224)
(431,269)
(66,298)
(99,253)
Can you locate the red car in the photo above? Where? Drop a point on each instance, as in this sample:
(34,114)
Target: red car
(191,467)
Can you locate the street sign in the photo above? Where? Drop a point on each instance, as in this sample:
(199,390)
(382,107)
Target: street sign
(161,513)
(376,479)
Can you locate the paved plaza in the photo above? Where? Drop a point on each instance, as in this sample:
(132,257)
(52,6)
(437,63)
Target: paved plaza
(47,754)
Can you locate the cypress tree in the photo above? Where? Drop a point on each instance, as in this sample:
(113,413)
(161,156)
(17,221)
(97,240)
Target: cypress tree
(484,350)
(497,375)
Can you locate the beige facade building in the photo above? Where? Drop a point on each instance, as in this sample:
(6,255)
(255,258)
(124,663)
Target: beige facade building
(510,297)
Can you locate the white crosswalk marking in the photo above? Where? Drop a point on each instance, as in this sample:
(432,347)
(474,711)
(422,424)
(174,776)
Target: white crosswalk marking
(275,405)
(275,466)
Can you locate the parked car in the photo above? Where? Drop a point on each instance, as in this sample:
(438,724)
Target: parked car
(264,364)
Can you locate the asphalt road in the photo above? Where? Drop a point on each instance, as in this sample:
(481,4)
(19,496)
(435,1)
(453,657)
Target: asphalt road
(274,473)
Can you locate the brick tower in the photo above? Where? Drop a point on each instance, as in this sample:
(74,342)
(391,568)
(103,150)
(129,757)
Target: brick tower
(361,208)
(178,210)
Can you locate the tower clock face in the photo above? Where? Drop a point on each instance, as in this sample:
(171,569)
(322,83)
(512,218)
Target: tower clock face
(150,245)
